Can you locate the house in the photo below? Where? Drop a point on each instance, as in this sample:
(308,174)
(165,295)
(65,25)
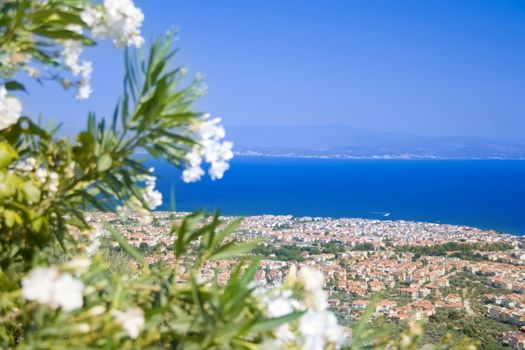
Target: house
(453,298)
(425,307)
(376,286)
(411,293)
(385,306)
(360,304)
(515,340)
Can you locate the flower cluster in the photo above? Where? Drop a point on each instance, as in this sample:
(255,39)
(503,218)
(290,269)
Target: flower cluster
(10,62)
(209,134)
(25,165)
(131,320)
(150,196)
(317,328)
(32,72)
(10,109)
(47,180)
(71,57)
(117,19)
(48,286)
(94,241)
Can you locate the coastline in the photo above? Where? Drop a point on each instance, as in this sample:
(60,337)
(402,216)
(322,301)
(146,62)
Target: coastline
(262,155)
(256,154)
(397,222)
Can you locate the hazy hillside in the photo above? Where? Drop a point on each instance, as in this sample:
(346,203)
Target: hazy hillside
(346,141)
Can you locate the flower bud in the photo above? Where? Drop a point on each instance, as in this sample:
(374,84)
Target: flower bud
(97,310)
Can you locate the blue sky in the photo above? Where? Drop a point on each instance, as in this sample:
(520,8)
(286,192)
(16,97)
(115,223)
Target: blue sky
(432,67)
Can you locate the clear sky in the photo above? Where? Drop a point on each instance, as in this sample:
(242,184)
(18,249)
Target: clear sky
(429,67)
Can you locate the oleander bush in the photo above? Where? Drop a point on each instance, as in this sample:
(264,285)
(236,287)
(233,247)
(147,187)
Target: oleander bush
(63,283)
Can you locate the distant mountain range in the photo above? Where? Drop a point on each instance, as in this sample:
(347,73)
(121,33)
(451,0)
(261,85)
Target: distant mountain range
(348,142)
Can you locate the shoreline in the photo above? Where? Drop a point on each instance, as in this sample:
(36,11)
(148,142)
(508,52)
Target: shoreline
(356,219)
(249,154)
(377,157)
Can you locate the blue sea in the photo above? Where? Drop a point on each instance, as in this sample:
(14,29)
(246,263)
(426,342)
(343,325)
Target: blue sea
(488,194)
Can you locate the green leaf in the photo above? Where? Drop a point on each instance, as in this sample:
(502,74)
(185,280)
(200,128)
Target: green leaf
(228,230)
(14,85)
(61,34)
(234,249)
(11,217)
(123,243)
(104,162)
(272,323)
(187,225)
(7,154)
(31,192)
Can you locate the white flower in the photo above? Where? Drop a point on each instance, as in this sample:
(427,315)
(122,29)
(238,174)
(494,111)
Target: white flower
(69,172)
(152,197)
(72,49)
(317,328)
(118,19)
(284,334)
(81,328)
(209,134)
(78,264)
(84,90)
(194,157)
(284,338)
(31,162)
(10,109)
(32,72)
(97,310)
(25,165)
(216,152)
(71,53)
(52,185)
(76,28)
(38,285)
(91,15)
(313,279)
(320,329)
(41,174)
(95,242)
(193,171)
(50,179)
(217,169)
(68,292)
(131,321)
(48,286)
(210,128)
(192,174)
(279,307)
(316,300)
(93,247)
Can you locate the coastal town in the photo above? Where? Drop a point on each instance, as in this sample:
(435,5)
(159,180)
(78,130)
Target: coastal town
(400,270)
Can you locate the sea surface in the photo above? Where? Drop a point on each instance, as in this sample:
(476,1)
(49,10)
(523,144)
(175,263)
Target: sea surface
(488,194)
